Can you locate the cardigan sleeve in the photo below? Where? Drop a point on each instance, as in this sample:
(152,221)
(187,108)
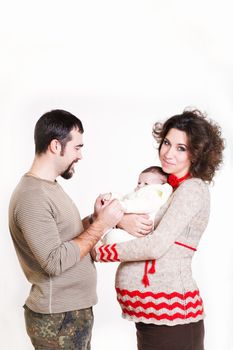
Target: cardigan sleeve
(186,203)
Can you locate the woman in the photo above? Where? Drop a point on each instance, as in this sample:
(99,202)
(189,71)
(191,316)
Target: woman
(154,281)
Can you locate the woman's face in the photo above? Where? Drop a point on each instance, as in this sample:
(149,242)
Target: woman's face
(174,154)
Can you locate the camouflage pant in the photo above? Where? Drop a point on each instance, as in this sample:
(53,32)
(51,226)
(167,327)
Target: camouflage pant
(67,330)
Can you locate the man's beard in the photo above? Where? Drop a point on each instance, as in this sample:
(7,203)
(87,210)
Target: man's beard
(68,173)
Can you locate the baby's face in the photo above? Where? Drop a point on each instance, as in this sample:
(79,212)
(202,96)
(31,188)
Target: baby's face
(150,179)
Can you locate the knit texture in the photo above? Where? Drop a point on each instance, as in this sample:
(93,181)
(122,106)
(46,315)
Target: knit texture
(43,220)
(171,296)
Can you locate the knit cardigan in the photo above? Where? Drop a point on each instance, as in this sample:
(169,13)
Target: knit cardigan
(154,282)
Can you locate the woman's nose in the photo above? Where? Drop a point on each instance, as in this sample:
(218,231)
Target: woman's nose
(169,153)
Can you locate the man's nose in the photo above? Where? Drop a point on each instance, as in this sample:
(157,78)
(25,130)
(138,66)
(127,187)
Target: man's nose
(80,156)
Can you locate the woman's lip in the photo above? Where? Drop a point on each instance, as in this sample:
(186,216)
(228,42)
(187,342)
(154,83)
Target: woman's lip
(166,162)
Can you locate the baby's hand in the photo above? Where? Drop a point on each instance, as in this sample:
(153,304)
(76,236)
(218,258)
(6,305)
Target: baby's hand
(106,197)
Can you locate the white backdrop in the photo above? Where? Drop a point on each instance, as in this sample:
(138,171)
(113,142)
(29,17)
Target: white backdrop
(119,66)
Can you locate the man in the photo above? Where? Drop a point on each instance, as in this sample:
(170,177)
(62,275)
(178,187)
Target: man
(50,240)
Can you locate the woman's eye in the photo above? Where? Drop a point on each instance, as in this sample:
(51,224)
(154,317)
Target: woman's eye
(182,149)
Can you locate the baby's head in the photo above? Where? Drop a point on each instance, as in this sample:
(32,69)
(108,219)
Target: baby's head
(151,176)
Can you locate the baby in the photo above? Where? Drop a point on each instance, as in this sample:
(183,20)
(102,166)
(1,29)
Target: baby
(150,194)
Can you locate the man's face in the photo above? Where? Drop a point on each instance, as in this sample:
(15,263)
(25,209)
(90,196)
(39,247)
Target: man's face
(71,154)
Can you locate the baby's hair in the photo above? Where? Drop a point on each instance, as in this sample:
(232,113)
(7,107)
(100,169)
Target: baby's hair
(155,169)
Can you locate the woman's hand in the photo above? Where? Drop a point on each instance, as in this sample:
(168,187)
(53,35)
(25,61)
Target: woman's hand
(137,225)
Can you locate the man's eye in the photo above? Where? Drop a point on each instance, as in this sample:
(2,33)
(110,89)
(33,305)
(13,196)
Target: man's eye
(146,183)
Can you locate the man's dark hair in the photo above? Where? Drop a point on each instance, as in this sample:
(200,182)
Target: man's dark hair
(56,124)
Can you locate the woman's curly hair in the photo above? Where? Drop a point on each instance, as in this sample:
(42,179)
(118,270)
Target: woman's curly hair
(205,143)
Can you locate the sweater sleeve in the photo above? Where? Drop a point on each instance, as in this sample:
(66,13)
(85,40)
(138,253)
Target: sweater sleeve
(186,203)
(36,221)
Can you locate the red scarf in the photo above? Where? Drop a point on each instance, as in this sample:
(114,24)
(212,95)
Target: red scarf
(174,181)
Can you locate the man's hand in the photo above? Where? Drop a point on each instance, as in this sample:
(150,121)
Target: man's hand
(108,216)
(110,213)
(100,201)
(137,225)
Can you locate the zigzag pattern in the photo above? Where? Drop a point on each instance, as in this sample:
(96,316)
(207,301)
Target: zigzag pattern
(143,295)
(160,306)
(108,253)
(163,316)
(163,305)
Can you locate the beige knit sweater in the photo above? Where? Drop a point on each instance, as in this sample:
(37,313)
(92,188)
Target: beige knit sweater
(154,281)
(43,220)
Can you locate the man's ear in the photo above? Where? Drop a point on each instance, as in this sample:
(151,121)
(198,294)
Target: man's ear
(55,146)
